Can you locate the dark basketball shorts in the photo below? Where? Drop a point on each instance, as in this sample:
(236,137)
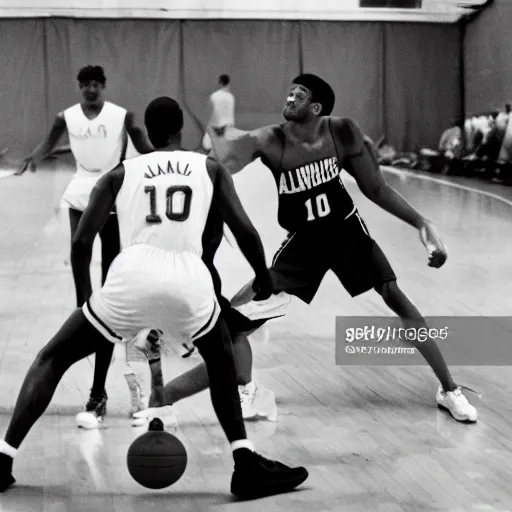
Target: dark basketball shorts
(345,247)
(299,266)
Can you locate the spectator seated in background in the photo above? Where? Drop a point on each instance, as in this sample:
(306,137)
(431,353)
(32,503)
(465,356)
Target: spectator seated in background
(477,131)
(504,160)
(491,153)
(492,140)
(450,151)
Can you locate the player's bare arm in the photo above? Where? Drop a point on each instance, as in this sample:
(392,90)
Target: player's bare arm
(137,135)
(46,147)
(243,230)
(101,203)
(361,162)
(236,149)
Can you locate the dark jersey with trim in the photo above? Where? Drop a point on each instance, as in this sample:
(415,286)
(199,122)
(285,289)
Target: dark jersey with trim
(308,176)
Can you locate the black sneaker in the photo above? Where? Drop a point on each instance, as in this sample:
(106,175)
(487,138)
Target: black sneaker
(95,411)
(97,405)
(256,477)
(6,478)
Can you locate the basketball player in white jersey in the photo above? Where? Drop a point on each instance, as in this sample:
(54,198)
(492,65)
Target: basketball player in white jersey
(222,103)
(171,206)
(98,134)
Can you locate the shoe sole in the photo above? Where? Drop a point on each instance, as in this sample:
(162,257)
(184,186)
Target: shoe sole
(282,488)
(443,408)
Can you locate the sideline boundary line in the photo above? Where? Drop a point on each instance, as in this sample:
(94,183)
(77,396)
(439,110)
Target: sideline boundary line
(447,183)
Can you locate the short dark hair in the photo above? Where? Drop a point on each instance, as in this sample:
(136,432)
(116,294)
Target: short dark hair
(224,79)
(163,119)
(90,73)
(321,91)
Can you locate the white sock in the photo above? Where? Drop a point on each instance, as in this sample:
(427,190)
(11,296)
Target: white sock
(7,449)
(242,443)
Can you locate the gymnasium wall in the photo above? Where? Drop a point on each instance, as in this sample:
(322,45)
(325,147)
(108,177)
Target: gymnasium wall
(488,54)
(396,78)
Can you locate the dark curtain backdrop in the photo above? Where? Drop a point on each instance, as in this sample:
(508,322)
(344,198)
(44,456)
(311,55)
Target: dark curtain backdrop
(488,57)
(349,56)
(398,79)
(23,84)
(261,58)
(421,82)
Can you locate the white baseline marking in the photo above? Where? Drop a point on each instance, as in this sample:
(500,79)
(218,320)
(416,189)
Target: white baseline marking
(447,183)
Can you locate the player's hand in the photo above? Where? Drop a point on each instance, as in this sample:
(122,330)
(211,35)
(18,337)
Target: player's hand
(28,163)
(436,249)
(263,286)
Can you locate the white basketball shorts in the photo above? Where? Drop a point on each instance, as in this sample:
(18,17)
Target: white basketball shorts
(148,288)
(78,191)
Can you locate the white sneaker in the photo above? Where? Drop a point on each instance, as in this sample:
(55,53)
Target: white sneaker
(247,396)
(456,404)
(165,413)
(88,420)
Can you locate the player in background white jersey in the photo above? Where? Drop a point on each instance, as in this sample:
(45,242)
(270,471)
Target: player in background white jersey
(98,135)
(222,104)
(171,206)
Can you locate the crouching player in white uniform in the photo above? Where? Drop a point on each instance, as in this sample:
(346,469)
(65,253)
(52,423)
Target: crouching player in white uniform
(169,204)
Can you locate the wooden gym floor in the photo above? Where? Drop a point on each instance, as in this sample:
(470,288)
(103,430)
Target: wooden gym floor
(371,437)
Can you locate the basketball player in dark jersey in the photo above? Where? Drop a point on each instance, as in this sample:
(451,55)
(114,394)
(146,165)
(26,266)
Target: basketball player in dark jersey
(306,155)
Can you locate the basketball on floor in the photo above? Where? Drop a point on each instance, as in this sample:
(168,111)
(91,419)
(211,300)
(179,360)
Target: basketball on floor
(157,459)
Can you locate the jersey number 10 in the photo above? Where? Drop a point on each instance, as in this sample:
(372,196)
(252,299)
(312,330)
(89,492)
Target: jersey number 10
(181,195)
(322,207)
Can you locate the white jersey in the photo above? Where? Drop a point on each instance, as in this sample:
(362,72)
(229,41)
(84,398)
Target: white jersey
(164,201)
(223,103)
(97,144)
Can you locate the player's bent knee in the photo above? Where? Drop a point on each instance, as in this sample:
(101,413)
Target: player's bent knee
(400,304)
(387,289)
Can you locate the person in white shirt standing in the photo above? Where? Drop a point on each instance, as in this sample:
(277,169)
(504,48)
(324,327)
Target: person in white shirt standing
(222,104)
(98,135)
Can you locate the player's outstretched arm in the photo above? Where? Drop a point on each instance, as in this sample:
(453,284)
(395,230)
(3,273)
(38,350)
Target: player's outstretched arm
(235,149)
(234,215)
(361,162)
(46,147)
(101,203)
(137,135)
